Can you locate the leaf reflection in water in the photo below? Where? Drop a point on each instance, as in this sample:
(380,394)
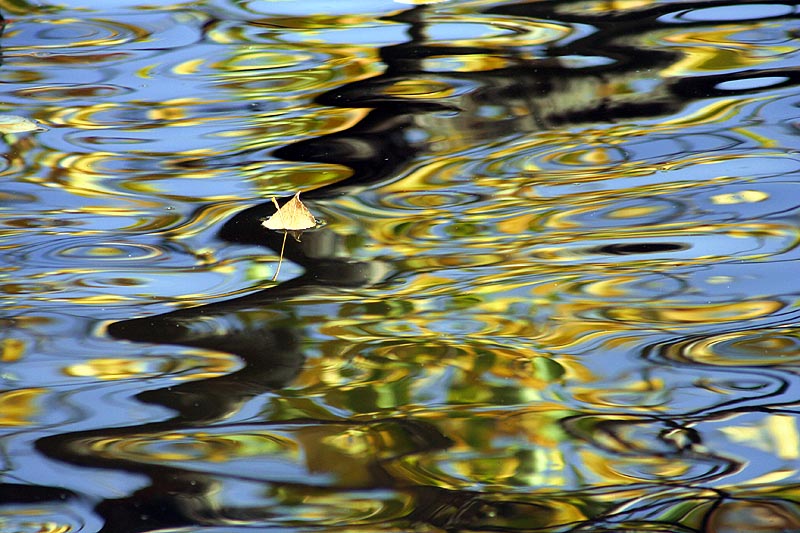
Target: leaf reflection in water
(551,293)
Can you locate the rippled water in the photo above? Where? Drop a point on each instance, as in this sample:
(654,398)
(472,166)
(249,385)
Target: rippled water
(555,289)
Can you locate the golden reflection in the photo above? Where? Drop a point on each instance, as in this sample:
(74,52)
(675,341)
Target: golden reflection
(500,31)
(192,365)
(98,299)
(748,347)
(777,435)
(211,214)
(612,470)
(20,407)
(244,73)
(168,447)
(495,449)
(368,378)
(637,396)
(258,60)
(709,313)
(104,33)
(107,369)
(466,63)
(717,110)
(345,456)
(11,350)
(420,89)
(17,519)
(704,54)
(351,511)
(315,21)
(603,6)
(21,7)
(747,196)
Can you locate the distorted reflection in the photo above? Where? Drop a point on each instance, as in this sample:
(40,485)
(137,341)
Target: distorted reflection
(551,292)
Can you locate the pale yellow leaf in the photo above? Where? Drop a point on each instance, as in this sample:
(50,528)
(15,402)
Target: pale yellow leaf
(292,216)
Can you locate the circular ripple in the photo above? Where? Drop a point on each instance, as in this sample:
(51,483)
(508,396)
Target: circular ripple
(415,200)
(63,92)
(585,158)
(148,141)
(105,115)
(629,287)
(461,29)
(47,510)
(66,33)
(765,347)
(635,212)
(110,251)
(75,252)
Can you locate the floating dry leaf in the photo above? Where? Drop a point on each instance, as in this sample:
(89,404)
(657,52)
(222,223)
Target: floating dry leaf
(293,216)
(17,124)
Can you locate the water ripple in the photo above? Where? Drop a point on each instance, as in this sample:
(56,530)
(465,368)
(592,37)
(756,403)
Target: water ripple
(759,347)
(730,13)
(140,31)
(579,222)
(48,518)
(86,252)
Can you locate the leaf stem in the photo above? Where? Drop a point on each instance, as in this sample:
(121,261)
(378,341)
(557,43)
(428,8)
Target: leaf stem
(280,258)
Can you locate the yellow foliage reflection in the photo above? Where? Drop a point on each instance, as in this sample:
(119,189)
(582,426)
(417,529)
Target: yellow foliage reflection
(19,407)
(192,365)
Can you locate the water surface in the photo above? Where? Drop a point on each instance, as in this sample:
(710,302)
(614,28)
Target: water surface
(554,289)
